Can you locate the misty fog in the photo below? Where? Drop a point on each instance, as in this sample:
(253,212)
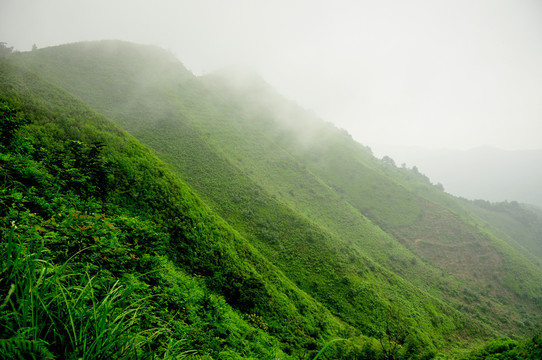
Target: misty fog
(454,74)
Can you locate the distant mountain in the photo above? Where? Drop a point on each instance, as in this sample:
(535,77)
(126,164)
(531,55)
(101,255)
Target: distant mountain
(482,173)
(300,230)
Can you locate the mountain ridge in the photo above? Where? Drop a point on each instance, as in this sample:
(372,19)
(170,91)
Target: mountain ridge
(484,173)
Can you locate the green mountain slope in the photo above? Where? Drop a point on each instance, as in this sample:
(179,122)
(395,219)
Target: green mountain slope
(446,236)
(110,211)
(351,231)
(520,225)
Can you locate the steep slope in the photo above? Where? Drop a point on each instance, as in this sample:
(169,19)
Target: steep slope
(431,224)
(519,224)
(104,204)
(306,195)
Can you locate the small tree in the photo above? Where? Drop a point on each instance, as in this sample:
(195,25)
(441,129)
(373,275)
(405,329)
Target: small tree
(4,49)
(388,160)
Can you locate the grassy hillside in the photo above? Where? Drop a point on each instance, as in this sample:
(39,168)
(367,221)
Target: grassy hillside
(402,202)
(519,224)
(516,224)
(106,253)
(357,234)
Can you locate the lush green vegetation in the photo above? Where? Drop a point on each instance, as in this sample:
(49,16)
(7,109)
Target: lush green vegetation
(105,253)
(432,225)
(518,224)
(507,349)
(329,242)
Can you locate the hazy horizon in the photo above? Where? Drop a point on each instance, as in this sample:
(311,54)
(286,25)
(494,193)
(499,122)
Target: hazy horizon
(454,74)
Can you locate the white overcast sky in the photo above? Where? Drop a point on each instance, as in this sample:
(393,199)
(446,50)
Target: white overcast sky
(432,73)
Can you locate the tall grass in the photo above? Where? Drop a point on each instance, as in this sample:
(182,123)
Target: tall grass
(50,312)
(328,344)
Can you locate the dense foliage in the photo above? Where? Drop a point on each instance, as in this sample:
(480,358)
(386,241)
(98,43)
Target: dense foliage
(93,261)
(507,349)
